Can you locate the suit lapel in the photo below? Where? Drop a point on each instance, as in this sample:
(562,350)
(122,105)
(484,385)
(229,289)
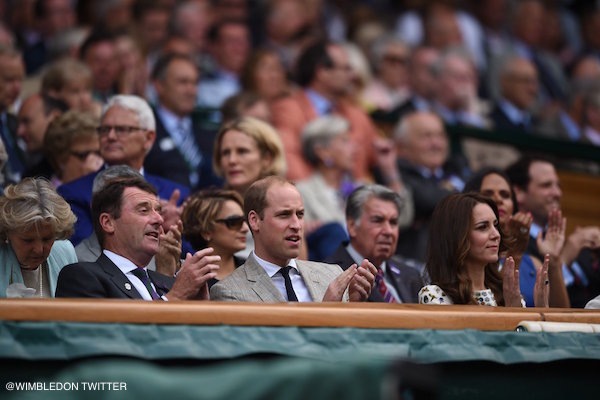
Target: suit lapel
(312,280)
(261,283)
(395,274)
(118,277)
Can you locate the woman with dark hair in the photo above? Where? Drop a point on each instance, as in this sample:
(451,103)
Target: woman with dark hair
(462,257)
(215,218)
(514,225)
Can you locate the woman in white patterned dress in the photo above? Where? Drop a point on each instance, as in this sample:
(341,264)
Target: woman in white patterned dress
(462,257)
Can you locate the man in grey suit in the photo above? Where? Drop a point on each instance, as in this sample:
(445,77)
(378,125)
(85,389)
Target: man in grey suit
(274,211)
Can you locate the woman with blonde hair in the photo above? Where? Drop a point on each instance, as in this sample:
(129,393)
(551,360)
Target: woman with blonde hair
(35,222)
(246,150)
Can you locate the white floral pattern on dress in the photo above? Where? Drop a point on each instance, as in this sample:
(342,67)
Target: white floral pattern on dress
(433,294)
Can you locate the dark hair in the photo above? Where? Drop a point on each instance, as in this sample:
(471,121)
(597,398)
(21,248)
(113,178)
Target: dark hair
(247,75)
(235,105)
(474,183)
(159,72)
(518,172)
(215,30)
(201,211)
(94,38)
(255,198)
(449,246)
(110,200)
(52,104)
(315,56)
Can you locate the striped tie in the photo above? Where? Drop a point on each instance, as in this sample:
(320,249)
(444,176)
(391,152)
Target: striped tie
(189,151)
(382,287)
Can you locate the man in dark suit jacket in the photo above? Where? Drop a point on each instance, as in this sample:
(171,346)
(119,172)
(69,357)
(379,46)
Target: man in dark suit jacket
(12,72)
(425,168)
(127,222)
(372,213)
(183,148)
(519,89)
(127,133)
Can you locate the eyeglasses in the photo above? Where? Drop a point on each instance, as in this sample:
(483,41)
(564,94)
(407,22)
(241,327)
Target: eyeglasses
(120,130)
(395,59)
(234,222)
(83,155)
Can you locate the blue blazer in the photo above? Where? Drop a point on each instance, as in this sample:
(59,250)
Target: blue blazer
(78,194)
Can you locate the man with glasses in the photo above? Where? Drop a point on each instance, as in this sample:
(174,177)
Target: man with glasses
(126,132)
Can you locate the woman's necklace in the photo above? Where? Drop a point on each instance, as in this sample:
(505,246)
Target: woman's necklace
(41,277)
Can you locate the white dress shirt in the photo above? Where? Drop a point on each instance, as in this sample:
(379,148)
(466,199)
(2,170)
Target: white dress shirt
(298,284)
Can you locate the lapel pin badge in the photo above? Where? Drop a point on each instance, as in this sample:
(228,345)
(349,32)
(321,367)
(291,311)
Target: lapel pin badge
(127,286)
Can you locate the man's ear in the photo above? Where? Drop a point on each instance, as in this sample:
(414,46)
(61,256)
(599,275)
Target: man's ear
(253,220)
(107,223)
(150,137)
(351,225)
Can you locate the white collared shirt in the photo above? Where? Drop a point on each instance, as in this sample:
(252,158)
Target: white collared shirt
(127,267)
(386,277)
(298,284)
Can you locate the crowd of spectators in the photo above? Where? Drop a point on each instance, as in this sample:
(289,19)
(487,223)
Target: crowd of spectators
(332,95)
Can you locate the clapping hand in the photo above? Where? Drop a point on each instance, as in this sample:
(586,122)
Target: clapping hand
(516,235)
(510,284)
(541,290)
(554,239)
(192,280)
(358,280)
(168,258)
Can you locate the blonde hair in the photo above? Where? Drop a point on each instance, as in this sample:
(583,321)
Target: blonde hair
(267,140)
(33,202)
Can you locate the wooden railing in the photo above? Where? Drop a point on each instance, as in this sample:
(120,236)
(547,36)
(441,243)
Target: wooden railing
(361,315)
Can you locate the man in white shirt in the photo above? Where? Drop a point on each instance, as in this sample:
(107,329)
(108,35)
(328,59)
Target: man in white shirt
(128,223)
(275,212)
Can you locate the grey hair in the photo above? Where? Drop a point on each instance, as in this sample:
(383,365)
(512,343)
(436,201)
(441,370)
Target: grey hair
(380,46)
(357,199)
(439,67)
(34,201)
(134,104)
(116,171)
(405,125)
(319,132)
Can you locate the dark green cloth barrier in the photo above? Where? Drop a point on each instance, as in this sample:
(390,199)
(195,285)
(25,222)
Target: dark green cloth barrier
(69,340)
(286,378)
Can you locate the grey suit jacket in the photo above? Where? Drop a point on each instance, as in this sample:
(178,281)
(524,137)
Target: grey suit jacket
(250,282)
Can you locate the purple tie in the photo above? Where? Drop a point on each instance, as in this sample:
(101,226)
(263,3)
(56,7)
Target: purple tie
(143,276)
(382,287)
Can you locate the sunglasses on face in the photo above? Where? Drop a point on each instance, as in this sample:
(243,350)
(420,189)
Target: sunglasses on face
(83,155)
(234,222)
